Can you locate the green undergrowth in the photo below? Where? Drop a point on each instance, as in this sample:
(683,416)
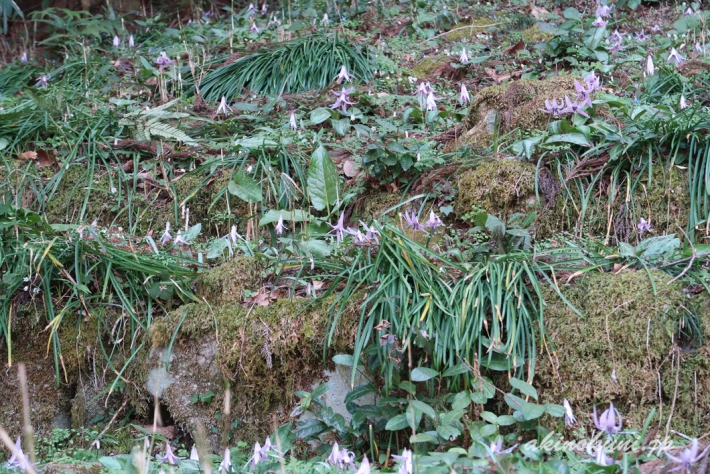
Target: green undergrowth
(459,33)
(635,325)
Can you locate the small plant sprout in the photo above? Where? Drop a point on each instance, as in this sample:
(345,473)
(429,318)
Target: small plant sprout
(569,414)
(169,457)
(343,76)
(552,107)
(292,121)
(599,23)
(596,452)
(342,99)
(223,107)
(434,221)
(683,104)
(607,422)
(464,57)
(407,463)
(643,226)
(338,228)
(226,465)
(280,227)
(131,42)
(496,447)
(413,222)
(166,235)
(688,456)
(675,57)
(464,97)
(650,68)
(163,60)
(179,240)
(43,80)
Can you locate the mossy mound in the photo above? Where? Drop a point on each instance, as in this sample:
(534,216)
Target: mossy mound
(459,32)
(513,105)
(621,348)
(426,66)
(264,353)
(534,35)
(227,282)
(104,198)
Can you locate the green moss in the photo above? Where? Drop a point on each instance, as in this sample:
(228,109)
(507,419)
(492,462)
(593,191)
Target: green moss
(627,332)
(534,35)
(427,65)
(517,103)
(227,282)
(459,33)
(375,204)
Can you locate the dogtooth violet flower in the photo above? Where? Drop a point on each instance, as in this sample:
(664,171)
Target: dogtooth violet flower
(413,221)
(641,36)
(364,466)
(496,447)
(431,101)
(434,221)
(24,59)
(650,68)
(163,60)
(596,452)
(116,41)
(603,11)
(223,107)
(166,235)
(370,232)
(131,42)
(253,28)
(169,457)
(194,456)
(341,457)
(18,460)
(280,227)
(464,98)
(675,57)
(599,23)
(342,99)
(43,80)
(688,456)
(607,422)
(179,240)
(251,10)
(423,90)
(574,107)
(258,456)
(264,9)
(683,104)
(464,57)
(552,107)
(407,463)
(343,75)
(569,414)
(325,20)
(593,83)
(226,465)
(689,11)
(292,121)
(338,228)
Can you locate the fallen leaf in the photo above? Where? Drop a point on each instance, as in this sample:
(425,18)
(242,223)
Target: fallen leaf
(538,12)
(28,155)
(45,158)
(513,50)
(261,299)
(350,169)
(494,75)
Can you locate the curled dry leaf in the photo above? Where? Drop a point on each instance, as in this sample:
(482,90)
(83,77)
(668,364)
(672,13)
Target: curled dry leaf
(28,155)
(513,50)
(494,75)
(350,169)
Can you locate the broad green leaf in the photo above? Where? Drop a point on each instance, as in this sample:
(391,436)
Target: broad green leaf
(479,397)
(322,180)
(572,138)
(448,432)
(344,359)
(341,126)
(289,216)
(320,390)
(245,188)
(461,401)
(489,417)
(422,374)
(572,14)
(191,234)
(422,438)
(457,369)
(524,387)
(506,420)
(309,428)
(359,392)
(558,411)
(399,422)
(423,407)
(320,115)
(489,430)
(532,411)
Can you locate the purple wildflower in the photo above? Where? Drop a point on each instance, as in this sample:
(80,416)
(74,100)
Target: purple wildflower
(552,107)
(431,101)
(641,36)
(650,68)
(263,9)
(341,457)
(169,457)
(343,75)
(607,422)
(699,49)
(464,57)
(643,226)
(338,228)
(603,11)
(413,221)
(599,22)
(179,240)
(423,90)
(253,28)
(592,81)
(43,80)
(497,447)
(574,108)
(675,57)
(688,456)
(280,227)
(251,10)
(18,460)
(226,465)
(166,235)
(407,466)
(342,99)
(364,466)
(596,452)
(223,107)
(325,20)
(131,42)
(689,11)
(464,97)
(371,232)
(163,60)
(582,92)
(434,221)
(259,455)
(24,59)
(569,414)
(292,121)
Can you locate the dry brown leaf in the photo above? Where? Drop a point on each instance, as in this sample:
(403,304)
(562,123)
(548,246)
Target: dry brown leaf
(261,299)
(513,50)
(28,155)
(538,12)
(494,75)
(350,169)
(45,158)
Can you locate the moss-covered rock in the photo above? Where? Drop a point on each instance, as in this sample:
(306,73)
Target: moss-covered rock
(478,25)
(226,283)
(621,347)
(427,65)
(534,35)
(513,105)
(264,353)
